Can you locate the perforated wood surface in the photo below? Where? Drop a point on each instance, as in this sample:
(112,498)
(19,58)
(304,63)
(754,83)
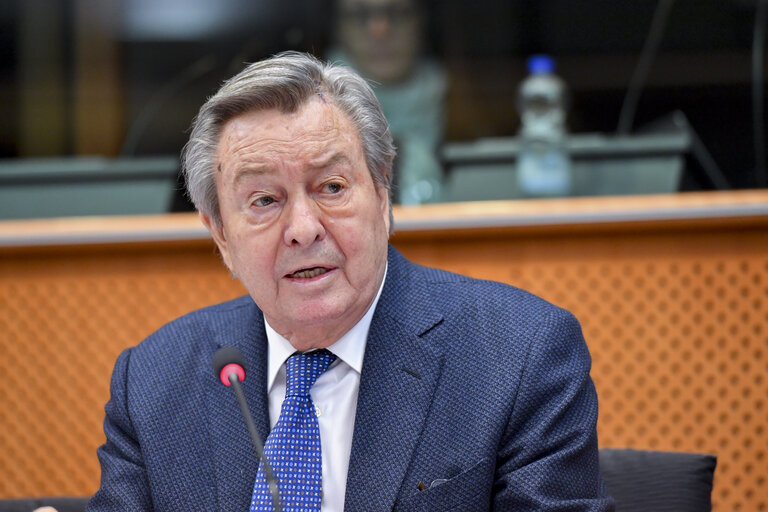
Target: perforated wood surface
(64,318)
(676,320)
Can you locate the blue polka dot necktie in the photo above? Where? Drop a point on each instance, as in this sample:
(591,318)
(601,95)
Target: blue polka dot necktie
(293,446)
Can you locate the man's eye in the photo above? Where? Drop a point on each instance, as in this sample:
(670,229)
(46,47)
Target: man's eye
(263,201)
(333,188)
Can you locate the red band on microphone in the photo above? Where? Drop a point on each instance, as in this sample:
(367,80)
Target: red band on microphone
(231,368)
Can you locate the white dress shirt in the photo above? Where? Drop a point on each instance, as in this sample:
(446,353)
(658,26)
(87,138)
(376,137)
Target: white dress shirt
(334,395)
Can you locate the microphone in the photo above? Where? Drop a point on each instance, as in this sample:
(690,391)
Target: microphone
(229,367)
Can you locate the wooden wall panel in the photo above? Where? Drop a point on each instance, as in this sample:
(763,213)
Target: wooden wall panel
(65,315)
(675,315)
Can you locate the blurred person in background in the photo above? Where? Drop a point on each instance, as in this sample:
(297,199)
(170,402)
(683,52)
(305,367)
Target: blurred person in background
(383,40)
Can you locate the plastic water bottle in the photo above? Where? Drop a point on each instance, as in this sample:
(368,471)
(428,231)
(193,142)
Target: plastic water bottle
(543,165)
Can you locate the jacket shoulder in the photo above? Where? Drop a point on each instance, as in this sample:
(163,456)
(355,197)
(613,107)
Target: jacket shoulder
(231,319)
(485,297)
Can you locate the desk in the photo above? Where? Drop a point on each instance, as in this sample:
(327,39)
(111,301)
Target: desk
(672,293)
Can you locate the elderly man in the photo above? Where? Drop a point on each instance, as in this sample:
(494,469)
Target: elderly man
(416,389)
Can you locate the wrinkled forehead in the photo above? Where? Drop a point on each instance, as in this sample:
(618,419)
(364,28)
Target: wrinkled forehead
(316,129)
(319,112)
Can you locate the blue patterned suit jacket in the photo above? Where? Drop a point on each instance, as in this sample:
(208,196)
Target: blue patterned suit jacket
(476,386)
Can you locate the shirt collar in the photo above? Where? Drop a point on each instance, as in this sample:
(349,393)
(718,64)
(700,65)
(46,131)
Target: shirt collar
(350,348)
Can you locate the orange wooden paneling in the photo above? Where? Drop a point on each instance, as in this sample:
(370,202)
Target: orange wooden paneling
(65,315)
(675,314)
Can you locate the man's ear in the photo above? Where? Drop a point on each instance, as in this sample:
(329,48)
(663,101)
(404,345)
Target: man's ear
(217,232)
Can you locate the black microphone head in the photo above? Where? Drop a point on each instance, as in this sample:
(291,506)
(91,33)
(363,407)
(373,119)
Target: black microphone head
(228,357)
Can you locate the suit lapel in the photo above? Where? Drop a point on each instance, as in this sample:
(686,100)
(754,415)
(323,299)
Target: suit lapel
(400,372)
(235,459)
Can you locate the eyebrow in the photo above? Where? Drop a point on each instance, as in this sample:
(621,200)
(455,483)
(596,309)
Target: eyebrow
(334,159)
(246,172)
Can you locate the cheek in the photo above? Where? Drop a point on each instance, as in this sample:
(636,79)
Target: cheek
(363,244)
(354,241)
(250,255)
(350,239)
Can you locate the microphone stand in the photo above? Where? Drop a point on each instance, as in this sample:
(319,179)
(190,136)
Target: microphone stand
(271,482)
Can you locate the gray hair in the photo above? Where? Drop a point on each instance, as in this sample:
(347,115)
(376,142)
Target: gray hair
(284,82)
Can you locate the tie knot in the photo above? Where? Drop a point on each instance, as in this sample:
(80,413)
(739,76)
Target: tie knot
(302,370)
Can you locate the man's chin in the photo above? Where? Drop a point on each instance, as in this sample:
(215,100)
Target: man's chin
(320,321)
(317,316)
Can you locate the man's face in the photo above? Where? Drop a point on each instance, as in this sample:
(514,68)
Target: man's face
(302,224)
(382,36)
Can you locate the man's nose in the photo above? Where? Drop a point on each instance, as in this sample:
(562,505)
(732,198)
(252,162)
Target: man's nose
(303,222)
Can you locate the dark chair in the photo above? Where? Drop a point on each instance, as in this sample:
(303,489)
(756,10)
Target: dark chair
(30,504)
(644,481)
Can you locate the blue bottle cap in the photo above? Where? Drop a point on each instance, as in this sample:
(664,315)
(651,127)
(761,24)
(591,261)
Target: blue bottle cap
(540,64)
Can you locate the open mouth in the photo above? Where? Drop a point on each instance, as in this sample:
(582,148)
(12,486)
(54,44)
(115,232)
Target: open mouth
(308,273)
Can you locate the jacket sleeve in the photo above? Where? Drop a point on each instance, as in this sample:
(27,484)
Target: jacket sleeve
(548,458)
(124,483)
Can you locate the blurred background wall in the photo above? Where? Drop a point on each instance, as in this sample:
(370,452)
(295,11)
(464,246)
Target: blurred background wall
(111,77)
